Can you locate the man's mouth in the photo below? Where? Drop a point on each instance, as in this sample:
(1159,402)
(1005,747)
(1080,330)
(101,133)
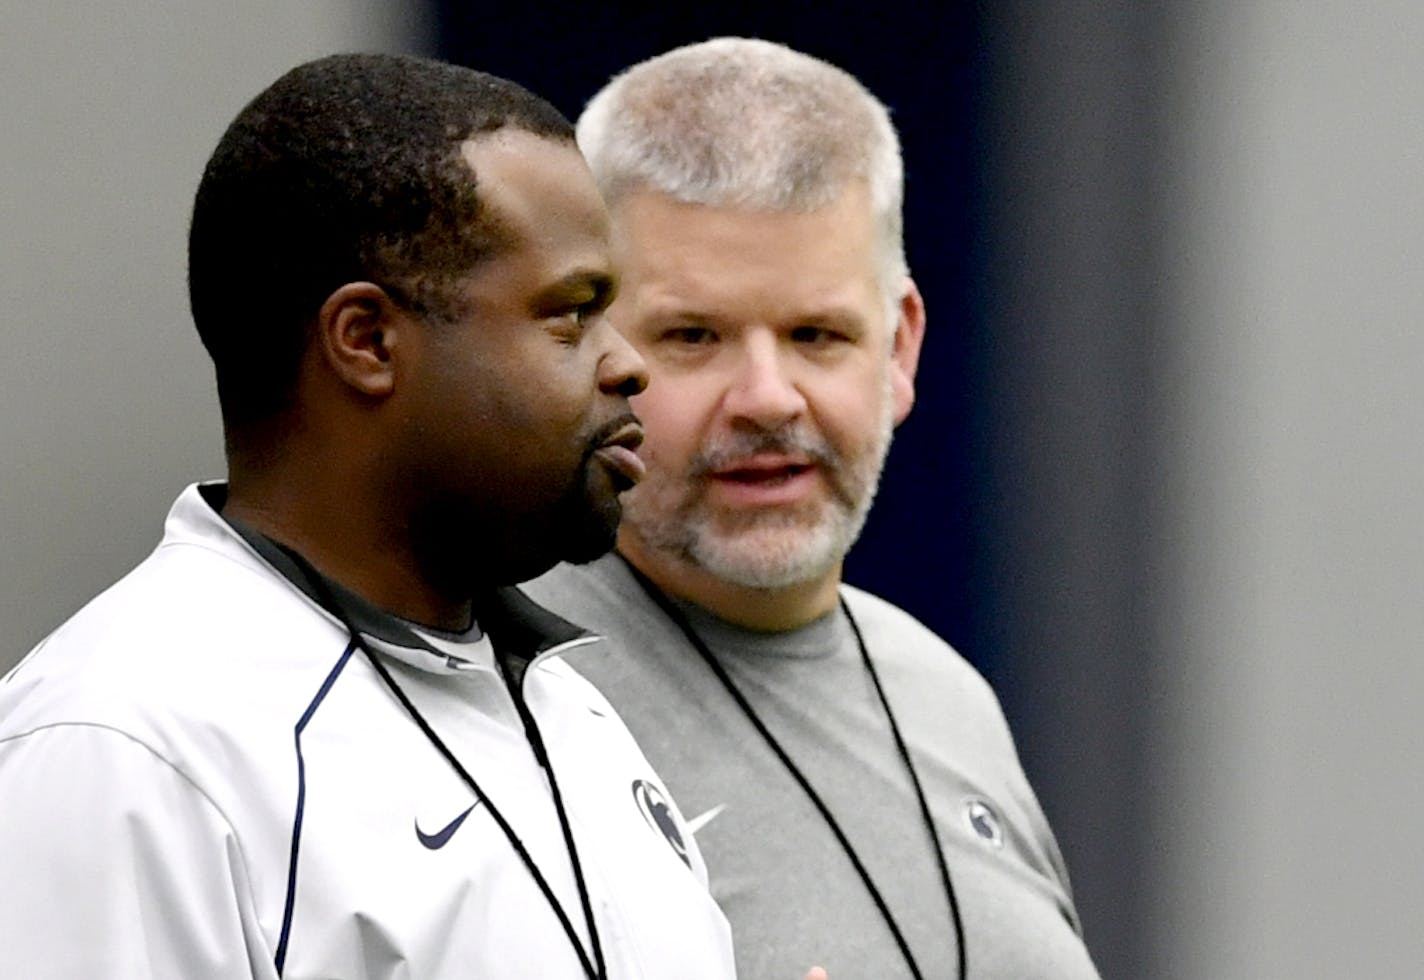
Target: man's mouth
(769,476)
(764,479)
(619,454)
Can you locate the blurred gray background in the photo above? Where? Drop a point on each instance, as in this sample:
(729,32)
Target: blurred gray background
(1209,249)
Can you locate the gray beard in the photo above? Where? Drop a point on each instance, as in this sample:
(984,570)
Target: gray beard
(784,557)
(772,549)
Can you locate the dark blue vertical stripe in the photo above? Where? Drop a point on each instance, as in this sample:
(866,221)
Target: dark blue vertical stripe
(281,957)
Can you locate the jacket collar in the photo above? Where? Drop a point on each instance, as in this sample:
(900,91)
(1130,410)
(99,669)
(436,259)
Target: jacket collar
(520,630)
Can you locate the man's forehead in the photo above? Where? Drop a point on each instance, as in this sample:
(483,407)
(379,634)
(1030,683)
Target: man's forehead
(653,227)
(536,189)
(656,232)
(710,303)
(511,146)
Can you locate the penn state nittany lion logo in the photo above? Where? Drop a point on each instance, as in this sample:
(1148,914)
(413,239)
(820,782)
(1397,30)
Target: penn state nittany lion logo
(653,805)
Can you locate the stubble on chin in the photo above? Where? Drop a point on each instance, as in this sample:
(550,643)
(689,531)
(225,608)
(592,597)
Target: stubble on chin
(770,548)
(775,550)
(594,513)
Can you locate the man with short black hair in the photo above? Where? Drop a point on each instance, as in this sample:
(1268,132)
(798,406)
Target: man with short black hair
(314,734)
(857,791)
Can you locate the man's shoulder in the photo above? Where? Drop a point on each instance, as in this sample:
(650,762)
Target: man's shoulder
(185,637)
(871,608)
(900,642)
(599,596)
(200,585)
(878,616)
(183,599)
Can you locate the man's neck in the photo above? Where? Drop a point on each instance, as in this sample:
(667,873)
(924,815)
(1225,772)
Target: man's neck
(767,610)
(347,551)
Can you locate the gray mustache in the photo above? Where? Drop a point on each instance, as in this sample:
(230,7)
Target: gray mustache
(729,450)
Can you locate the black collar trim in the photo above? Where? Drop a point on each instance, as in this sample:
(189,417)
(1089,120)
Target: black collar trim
(519,628)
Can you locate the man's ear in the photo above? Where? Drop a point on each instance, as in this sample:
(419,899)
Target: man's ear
(357,331)
(905,351)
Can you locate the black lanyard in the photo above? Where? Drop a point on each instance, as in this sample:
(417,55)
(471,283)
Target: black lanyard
(595,968)
(679,619)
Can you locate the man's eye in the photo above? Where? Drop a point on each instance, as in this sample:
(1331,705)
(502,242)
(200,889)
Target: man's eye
(814,335)
(691,336)
(584,314)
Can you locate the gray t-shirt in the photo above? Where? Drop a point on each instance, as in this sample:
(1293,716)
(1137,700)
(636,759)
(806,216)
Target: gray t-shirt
(791,893)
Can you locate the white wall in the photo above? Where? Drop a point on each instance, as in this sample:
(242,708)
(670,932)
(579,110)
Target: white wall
(108,113)
(1292,764)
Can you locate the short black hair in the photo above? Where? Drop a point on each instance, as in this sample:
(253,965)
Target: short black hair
(345,169)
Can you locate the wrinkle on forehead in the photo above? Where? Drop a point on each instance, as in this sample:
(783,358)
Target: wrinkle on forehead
(728,266)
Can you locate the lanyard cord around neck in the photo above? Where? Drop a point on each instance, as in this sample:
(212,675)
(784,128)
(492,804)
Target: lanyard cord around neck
(595,969)
(679,619)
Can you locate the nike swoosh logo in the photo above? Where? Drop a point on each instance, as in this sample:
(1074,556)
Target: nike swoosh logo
(442,837)
(702,820)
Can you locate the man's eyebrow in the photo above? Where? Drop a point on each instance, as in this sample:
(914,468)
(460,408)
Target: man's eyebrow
(832,313)
(603,283)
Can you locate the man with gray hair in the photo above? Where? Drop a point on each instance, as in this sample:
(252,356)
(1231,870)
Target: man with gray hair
(857,791)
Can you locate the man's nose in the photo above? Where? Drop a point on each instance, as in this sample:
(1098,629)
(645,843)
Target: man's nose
(765,390)
(621,369)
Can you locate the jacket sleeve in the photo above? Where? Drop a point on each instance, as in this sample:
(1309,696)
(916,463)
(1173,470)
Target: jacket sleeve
(116,866)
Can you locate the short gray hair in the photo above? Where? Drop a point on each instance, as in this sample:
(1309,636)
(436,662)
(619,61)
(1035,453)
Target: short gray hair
(740,122)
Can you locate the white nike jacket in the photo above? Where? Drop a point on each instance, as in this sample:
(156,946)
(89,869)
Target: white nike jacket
(202,777)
